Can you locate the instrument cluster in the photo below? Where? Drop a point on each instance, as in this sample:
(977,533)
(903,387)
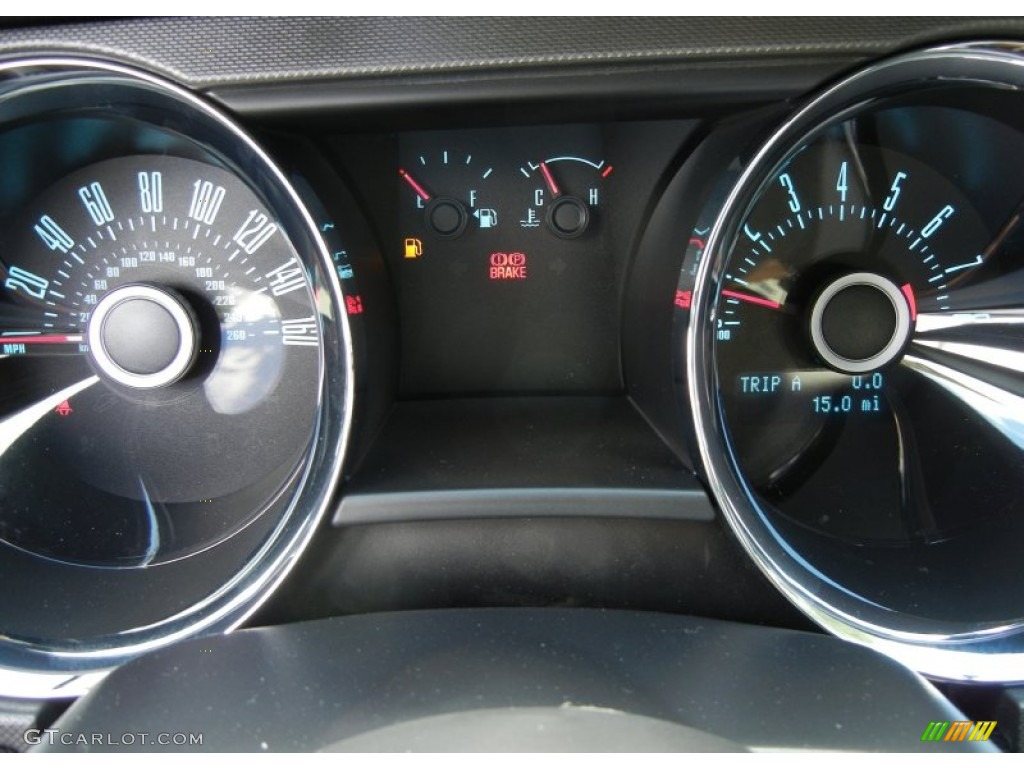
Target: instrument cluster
(228,353)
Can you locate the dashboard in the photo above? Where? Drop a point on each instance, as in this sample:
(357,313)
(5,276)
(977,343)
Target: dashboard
(446,382)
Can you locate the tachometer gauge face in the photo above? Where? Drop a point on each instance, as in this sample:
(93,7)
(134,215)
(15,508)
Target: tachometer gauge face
(855,360)
(161,363)
(842,266)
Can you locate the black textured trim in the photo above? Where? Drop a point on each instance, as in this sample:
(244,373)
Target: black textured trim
(203,52)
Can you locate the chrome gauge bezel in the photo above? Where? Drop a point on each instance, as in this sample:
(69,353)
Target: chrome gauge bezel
(51,669)
(174,309)
(995,653)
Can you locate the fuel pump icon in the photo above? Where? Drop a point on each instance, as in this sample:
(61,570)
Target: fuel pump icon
(488,217)
(413,248)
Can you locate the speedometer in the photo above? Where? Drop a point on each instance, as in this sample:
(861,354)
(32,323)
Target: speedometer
(176,371)
(159,324)
(854,360)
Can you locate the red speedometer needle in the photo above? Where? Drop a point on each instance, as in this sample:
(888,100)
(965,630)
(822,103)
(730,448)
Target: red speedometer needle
(415,185)
(760,301)
(42,338)
(549,179)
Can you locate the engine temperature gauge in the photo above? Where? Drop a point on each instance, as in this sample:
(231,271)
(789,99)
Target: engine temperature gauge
(566,194)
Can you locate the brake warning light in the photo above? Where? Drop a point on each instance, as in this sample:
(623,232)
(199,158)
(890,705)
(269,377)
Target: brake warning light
(508,266)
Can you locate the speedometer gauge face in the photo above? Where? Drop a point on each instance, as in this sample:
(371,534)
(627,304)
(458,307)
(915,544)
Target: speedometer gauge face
(856,356)
(161,363)
(175,372)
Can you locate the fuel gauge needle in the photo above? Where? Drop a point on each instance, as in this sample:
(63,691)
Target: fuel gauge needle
(424,195)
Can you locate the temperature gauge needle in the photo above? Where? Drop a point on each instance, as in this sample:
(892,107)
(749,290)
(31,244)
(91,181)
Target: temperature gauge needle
(751,299)
(415,185)
(549,179)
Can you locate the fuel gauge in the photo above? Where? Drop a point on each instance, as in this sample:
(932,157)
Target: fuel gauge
(449,190)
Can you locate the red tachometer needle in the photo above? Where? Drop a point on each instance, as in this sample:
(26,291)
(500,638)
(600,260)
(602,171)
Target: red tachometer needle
(549,179)
(761,302)
(415,185)
(908,292)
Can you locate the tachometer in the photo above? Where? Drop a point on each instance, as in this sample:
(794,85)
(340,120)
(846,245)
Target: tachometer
(843,254)
(854,360)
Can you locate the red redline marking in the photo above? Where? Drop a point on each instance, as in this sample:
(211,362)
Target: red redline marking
(698,242)
(908,291)
(40,339)
(607,171)
(752,299)
(412,183)
(549,179)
